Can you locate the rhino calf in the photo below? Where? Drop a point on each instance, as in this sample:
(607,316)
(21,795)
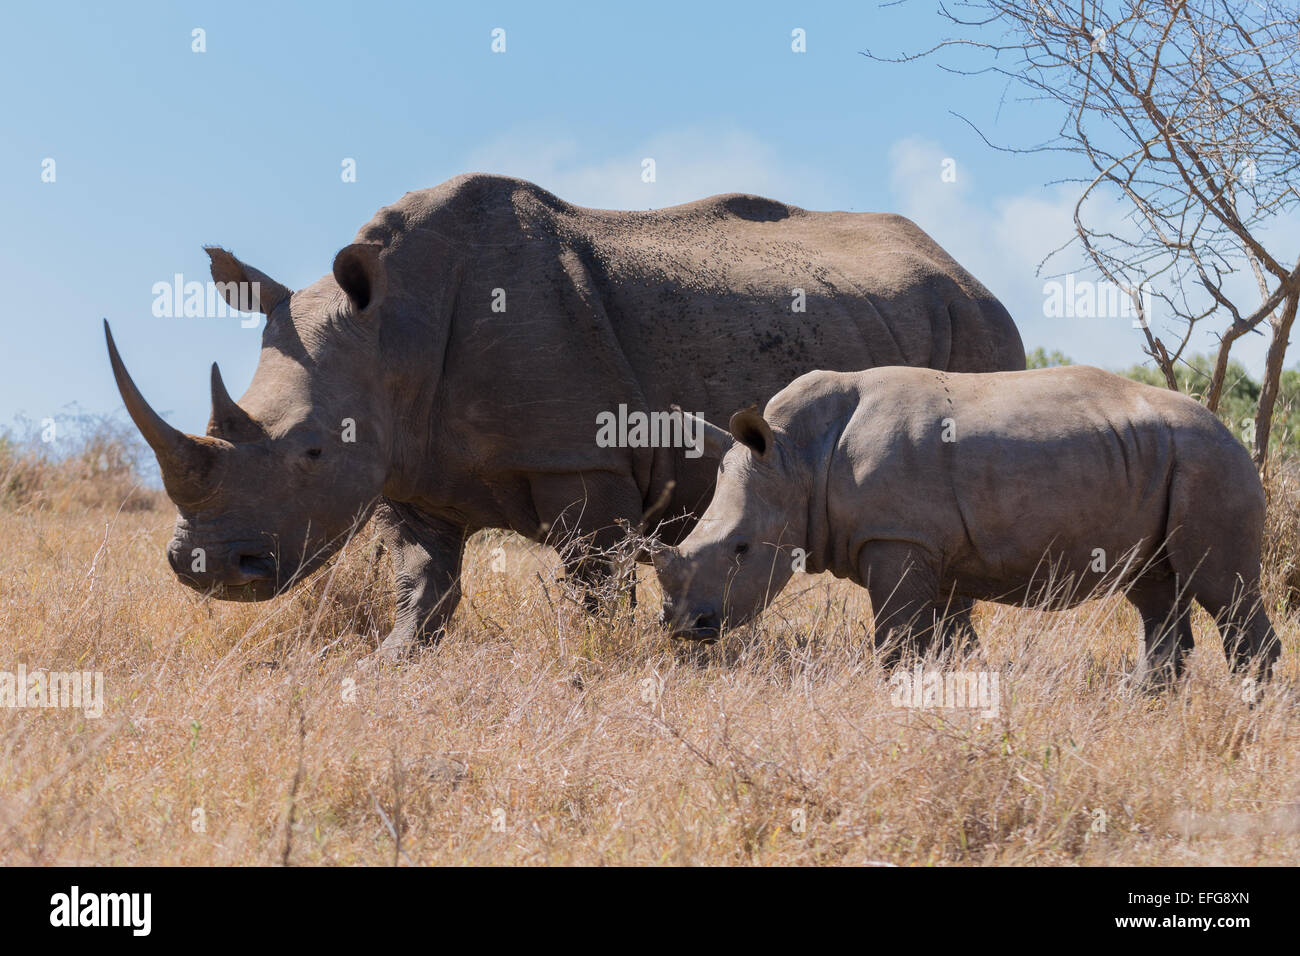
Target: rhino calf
(935,489)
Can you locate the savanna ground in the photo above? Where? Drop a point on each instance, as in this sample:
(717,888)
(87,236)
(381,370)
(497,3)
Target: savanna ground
(537,734)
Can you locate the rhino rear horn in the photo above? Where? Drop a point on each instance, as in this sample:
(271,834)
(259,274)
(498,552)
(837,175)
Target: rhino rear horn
(228,420)
(186,461)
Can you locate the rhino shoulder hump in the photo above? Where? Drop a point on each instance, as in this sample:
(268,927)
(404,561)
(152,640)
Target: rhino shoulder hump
(752,208)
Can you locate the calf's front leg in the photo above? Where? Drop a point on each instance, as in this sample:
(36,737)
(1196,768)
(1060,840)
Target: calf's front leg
(903,583)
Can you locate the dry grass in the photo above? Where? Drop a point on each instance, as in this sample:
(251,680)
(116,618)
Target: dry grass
(97,466)
(536,734)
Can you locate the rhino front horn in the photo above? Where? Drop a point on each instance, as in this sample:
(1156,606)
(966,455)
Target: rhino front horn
(186,461)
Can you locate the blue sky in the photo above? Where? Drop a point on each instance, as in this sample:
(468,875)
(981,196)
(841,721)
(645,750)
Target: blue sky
(160,150)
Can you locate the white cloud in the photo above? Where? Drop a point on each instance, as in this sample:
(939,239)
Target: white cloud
(1003,240)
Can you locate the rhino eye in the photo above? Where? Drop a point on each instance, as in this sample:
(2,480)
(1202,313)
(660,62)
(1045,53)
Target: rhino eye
(741,548)
(313,452)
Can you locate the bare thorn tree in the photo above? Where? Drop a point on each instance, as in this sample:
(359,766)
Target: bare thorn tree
(1184,112)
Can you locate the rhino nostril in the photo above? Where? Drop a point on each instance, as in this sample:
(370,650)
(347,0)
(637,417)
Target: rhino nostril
(707,622)
(257,565)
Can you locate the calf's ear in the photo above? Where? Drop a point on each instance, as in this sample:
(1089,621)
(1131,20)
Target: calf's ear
(752,430)
(361,275)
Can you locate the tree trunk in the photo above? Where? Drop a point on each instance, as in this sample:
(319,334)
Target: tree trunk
(1220,370)
(1272,375)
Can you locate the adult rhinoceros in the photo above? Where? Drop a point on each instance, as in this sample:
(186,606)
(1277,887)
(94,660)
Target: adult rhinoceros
(453,366)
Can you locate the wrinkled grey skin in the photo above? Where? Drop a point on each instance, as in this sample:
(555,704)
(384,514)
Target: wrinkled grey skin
(1046,467)
(468,418)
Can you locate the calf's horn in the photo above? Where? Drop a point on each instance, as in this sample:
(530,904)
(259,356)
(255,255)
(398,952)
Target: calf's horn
(663,558)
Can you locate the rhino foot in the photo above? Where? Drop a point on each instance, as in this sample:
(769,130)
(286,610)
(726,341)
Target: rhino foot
(398,647)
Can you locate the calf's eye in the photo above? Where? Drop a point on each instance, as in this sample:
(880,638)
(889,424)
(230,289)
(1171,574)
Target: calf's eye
(313,452)
(741,548)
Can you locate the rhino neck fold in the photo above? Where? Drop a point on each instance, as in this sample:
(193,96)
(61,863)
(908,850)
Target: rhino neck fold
(820,544)
(415,343)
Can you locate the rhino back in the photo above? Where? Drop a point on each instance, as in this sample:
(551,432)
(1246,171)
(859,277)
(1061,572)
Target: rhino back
(723,278)
(690,304)
(687,286)
(1054,464)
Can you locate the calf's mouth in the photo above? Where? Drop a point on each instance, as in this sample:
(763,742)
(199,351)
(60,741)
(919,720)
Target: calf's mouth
(702,626)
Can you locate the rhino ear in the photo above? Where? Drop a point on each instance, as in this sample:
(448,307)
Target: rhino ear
(752,430)
(361,275)
(244,288)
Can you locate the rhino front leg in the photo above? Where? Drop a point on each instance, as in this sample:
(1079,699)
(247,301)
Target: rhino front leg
(957,630)
(427,556)
(599,580)
(904,587)
(587,535)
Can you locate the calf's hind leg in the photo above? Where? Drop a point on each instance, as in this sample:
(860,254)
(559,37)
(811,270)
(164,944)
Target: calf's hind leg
(1166,626)
(1248,636)
(1223,577)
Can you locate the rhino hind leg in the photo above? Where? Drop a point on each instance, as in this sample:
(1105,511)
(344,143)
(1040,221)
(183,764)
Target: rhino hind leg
(1249,640)
(1166,612)
(427,556)
(601,582)
(1226,583)
(593,569)
(1216,550)
(1248,637)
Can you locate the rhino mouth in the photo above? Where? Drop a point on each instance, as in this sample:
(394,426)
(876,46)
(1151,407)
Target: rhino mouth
(253,578)
(252,591)
(258,566)
(248,573)
(696,634)
(704,627)
(259,579)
